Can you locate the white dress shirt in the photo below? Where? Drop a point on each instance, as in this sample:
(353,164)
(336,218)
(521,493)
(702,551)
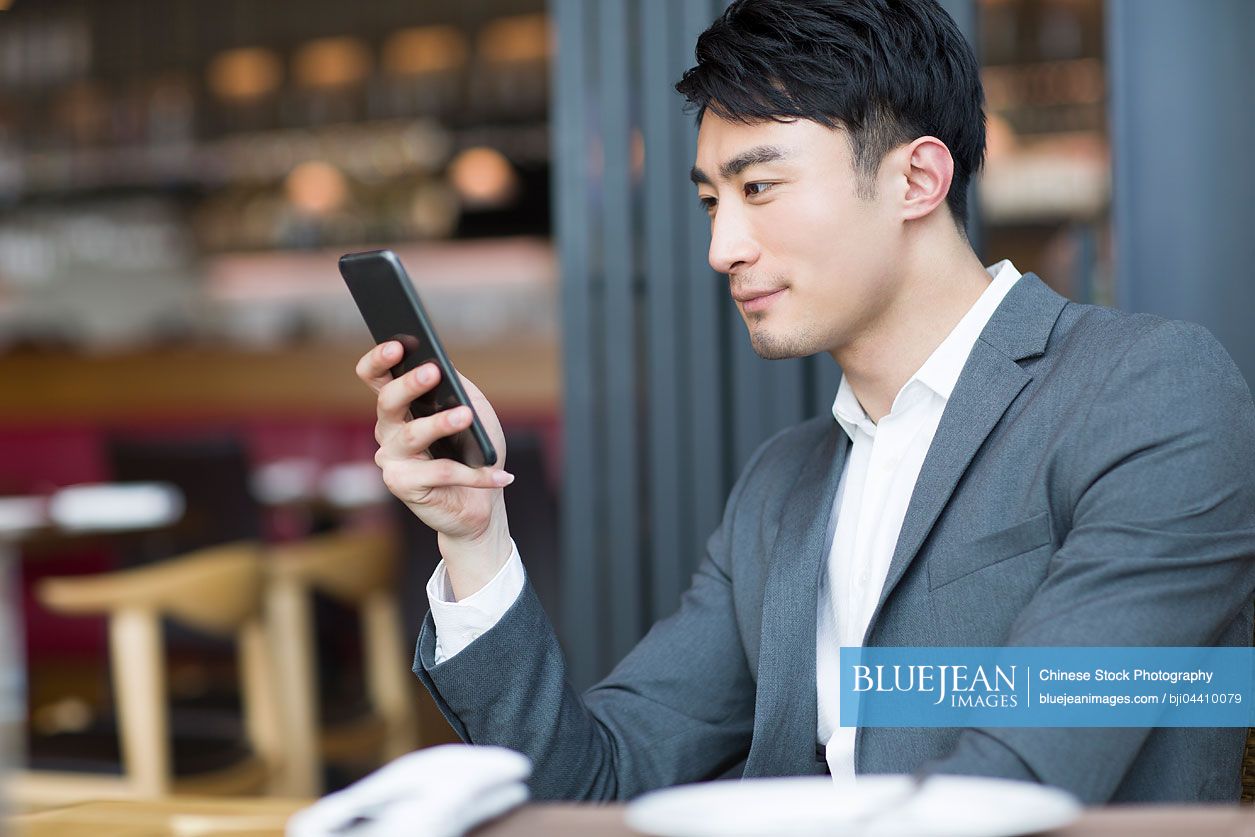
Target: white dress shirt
(459,623)
(880,471)
(881,468)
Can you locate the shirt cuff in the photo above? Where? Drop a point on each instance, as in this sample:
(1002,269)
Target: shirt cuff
(459,623)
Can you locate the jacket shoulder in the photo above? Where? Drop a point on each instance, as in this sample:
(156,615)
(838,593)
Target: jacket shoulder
(1108,342)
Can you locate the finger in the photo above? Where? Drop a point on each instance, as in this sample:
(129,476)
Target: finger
(395,397)
(420,434)
(374,366)
(413,479)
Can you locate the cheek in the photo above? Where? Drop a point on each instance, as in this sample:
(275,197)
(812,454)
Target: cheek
(804,231)
(836,254)
(820,234)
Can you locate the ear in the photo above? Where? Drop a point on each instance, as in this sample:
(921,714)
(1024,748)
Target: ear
(929,168)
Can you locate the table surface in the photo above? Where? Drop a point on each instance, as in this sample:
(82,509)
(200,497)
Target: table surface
(265,818)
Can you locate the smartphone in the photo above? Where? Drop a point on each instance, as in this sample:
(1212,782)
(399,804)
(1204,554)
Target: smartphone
(390,305)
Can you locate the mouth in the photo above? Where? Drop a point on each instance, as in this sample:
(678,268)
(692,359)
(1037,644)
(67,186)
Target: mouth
(758,300)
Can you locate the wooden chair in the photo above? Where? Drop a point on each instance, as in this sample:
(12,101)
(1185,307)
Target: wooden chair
(217,590)
(357,569)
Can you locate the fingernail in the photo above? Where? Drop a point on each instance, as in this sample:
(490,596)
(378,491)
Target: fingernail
(502,478)
(459,415)
(425,374)
(391,350)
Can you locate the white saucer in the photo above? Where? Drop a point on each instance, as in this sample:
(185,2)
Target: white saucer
(945,806)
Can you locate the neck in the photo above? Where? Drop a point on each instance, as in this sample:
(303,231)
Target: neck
(932,296)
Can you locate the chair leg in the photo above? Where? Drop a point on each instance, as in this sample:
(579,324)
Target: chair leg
(261,700)
(291,623)
(138,669)
(388,679)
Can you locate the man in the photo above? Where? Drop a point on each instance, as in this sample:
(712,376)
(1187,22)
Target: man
(1002,467)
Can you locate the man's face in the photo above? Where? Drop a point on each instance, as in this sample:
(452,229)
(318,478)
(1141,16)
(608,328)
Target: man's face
(787,219)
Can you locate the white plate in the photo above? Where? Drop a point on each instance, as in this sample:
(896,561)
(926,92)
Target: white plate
(119,506)
(945,806)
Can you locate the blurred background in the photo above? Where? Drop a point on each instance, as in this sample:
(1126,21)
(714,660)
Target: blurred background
(178,177)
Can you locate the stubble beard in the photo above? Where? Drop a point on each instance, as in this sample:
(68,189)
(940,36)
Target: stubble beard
(771,346)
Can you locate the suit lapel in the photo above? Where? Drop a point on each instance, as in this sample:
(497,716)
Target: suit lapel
(987,387)
(991,379)
(786,711)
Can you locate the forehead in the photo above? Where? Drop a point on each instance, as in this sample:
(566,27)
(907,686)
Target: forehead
(719,140)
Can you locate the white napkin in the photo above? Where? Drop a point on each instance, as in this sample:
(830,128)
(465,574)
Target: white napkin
(438,792)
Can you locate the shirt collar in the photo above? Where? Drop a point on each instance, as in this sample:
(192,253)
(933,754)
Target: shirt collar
(940,372)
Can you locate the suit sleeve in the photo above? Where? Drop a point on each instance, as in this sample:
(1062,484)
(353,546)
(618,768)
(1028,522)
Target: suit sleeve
(458,623)
(678,708)
(1161,550)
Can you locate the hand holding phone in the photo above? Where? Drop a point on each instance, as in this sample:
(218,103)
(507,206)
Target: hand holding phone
(424,412)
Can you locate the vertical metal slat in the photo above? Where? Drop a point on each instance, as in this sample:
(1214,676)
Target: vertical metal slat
(663,167)
(705,428)
(579,512)
(619,457)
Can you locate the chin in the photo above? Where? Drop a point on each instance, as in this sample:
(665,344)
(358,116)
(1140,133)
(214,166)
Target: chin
(770,346)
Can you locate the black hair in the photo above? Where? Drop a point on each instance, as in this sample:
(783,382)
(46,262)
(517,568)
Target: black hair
(885,71)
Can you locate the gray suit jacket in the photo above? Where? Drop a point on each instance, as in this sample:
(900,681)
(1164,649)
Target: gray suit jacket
(1092,482)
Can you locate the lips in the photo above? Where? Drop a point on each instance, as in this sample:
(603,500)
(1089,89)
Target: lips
(755,302)
(747,296)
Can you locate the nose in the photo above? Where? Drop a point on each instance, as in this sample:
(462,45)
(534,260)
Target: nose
(732,246)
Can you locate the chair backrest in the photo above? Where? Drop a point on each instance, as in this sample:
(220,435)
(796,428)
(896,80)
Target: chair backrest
(349,566)
(358,569)
(217,590)
(211,471)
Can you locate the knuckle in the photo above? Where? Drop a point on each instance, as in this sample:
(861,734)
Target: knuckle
(414,435)
(390,480)
(387,395)
(444,471)
(392,396)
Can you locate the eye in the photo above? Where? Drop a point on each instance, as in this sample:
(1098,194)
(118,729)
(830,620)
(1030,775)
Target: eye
(707,202)
(753,189)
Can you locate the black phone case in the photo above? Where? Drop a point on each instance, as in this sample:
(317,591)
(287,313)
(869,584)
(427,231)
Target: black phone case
(392,310)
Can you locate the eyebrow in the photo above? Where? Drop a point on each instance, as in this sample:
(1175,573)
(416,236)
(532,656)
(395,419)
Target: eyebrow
(739,163)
